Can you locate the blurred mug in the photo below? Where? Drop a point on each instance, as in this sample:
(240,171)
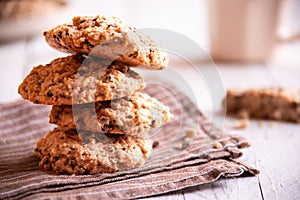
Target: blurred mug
(242,30)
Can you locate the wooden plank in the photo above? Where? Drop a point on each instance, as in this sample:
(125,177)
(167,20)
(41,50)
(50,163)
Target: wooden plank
(232,188)
(275,144)
(277,150)
(226,189)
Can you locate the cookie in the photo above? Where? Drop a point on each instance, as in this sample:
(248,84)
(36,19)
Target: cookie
(76,79)
(22,9)
(67,151)
(266,103)
(107,37)
(135,116)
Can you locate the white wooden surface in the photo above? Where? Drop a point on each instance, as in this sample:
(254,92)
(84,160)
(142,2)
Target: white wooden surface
(275,145)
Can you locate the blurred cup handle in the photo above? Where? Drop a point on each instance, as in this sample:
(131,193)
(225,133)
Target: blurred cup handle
(289,27)
(247,31)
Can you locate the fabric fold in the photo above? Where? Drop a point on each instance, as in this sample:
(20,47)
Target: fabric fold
(185,155)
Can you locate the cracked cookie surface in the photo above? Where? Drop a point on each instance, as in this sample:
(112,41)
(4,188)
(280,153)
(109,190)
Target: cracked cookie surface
(134,116)
(66,151)
(76,79)
(268,103)
(107,37)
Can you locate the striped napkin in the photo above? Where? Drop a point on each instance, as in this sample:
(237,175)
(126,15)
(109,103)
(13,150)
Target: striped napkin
(177,162)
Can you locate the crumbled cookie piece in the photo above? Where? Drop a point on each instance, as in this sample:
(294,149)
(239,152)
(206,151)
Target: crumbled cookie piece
(191,133)
(241,124)
(155,144)
(185,141)
(107,37)
(260,124)
(217,145)
(243,114)
(271,124)
(76,79)
(189,136)
(135,115)
(268,103)
(66,151)
(24,9)
(181,145)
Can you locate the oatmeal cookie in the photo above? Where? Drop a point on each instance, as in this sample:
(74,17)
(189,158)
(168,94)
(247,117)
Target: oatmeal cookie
(24,9)
(67,151)
(268,103)
(135,116)
(75,80)
(107,37)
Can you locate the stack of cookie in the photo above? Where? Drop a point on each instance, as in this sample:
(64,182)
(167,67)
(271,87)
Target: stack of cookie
(102,119)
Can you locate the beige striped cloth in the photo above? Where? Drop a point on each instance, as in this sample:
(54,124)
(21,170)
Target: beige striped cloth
(173,165)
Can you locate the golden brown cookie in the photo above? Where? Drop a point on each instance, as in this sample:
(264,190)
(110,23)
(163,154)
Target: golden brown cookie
(22,9)
(268,103)
(75,80)
(107,37)
(135,116)
(66,151)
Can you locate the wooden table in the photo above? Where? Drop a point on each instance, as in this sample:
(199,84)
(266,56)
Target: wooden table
(275,145)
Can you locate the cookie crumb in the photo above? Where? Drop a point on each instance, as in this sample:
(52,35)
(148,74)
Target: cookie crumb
(241,124)
(181,145)
(155,144)
(271,124)
(190,133)
(292,135)
(260,124)
(243,114)
(217,145)
(177,146)
(267,136)
(187,139)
